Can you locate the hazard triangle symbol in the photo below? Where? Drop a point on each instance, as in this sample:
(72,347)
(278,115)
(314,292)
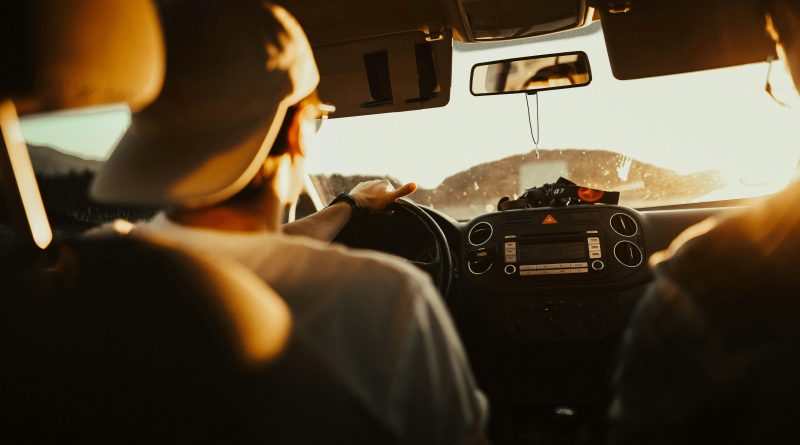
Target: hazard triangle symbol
(549,220)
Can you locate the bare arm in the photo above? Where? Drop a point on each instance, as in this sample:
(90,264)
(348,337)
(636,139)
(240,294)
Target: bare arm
(325,224)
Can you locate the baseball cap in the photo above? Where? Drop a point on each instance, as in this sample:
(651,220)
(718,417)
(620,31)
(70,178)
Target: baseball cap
(233,68)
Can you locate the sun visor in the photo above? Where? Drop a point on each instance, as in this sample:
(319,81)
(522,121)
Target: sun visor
(399,72)
(647,38)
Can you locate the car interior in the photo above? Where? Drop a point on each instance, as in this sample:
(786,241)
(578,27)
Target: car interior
(540,273)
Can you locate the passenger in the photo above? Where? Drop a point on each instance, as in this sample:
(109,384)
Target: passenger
(221,151)
(711,355)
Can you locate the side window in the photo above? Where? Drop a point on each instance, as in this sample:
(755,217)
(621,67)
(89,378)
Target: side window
(67,149)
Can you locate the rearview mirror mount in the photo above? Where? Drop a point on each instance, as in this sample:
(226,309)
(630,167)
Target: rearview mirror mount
(531,74)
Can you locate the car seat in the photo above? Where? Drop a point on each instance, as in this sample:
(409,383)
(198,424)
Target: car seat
(119,339)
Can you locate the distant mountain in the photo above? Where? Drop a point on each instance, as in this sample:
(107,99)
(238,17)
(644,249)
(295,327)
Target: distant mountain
(479,188)
(607,170)
(48,161)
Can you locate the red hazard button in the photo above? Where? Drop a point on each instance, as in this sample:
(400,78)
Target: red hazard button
(549,220)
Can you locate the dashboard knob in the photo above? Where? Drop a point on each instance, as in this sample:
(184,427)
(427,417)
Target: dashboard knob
(510,269)
(598,265)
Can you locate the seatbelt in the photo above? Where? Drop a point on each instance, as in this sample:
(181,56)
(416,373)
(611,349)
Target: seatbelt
(18,182)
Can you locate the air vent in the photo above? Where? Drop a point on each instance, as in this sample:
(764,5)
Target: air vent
(479,267)
(480,233)
(628,254)
(624,224)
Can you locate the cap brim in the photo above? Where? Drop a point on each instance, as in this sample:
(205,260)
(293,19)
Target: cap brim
(156,166)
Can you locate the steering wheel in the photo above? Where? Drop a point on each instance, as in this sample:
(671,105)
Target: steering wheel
(367,231)
(441,267)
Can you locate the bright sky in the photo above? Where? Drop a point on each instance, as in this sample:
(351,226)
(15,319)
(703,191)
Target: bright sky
(714,119)
(719,119)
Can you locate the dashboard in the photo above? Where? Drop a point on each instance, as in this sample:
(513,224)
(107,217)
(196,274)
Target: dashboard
(541,314)
(541,298)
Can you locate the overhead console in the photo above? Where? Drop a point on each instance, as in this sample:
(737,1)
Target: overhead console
(491,20)
(550,247)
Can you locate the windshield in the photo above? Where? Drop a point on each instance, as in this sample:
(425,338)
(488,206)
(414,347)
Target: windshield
(670,140)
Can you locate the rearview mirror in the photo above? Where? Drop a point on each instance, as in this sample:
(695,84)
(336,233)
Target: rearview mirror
(531,74)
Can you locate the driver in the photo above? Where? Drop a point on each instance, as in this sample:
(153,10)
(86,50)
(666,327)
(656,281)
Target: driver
(221,152)
(711,355)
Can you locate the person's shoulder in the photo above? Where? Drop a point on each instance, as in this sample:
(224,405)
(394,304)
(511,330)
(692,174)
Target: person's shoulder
(763,233)
(360,267)
(736,260)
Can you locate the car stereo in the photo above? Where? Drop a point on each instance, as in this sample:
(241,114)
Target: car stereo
(540,246)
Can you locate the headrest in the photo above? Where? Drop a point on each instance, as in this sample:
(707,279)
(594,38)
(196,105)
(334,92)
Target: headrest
(80,53)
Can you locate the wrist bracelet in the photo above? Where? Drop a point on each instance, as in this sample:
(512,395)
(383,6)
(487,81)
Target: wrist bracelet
(347,198)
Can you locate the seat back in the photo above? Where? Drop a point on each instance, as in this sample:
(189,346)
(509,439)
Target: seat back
(120,340)
(117,339)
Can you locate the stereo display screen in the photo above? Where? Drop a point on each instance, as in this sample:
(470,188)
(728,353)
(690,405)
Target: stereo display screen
(545,252)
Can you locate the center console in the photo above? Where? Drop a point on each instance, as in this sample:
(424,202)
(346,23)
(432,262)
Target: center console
(544,286)
(521,249)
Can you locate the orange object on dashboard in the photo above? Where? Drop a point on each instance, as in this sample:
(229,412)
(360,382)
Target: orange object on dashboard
(561,193)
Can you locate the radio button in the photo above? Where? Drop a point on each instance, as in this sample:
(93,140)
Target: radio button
(531,272)
(593,240)
(598,265)
(594,255)
(510,269)
(579,265)
(569,271)
(594,247)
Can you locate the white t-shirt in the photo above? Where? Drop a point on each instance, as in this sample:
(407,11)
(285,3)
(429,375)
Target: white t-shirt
(376,320)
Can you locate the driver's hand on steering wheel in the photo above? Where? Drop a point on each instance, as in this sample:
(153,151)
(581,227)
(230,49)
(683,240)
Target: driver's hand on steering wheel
(376,195)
